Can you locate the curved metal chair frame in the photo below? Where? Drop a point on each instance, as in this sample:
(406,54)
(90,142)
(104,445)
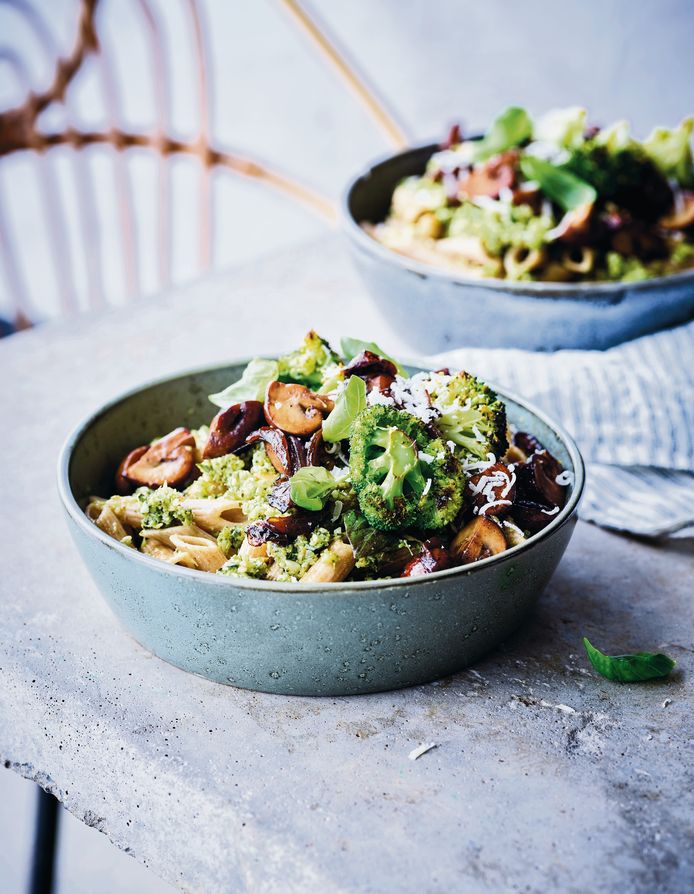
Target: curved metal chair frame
(19,131)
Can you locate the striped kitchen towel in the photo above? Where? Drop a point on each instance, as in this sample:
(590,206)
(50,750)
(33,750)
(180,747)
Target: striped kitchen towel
(631,411)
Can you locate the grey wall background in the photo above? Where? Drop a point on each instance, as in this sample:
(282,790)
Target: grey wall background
(433,62)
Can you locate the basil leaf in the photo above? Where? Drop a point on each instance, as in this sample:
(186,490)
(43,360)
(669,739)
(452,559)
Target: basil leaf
(512,127)
(347,407)
(353,346)
(563,187)
(629,668)
(251,386)
(311,486)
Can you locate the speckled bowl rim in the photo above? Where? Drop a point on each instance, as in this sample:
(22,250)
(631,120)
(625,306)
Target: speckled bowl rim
(585,291)
(78,515)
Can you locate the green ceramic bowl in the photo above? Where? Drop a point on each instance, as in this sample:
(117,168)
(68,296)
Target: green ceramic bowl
(317,639)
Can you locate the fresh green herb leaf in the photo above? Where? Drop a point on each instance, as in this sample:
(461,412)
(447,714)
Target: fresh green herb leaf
(347,407)
(629,668)
(511,128)
(251,386)
(564,188)
(311,486)
(353,346)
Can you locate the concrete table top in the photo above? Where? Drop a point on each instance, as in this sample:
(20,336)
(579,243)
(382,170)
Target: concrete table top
(545,776)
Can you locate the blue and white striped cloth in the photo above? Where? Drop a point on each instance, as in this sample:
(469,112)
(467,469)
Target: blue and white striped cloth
(631,411)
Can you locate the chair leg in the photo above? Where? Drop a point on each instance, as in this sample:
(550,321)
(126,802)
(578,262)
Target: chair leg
(45,842)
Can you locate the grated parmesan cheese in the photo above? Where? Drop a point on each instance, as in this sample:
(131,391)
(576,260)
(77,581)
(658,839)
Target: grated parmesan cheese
(421,749)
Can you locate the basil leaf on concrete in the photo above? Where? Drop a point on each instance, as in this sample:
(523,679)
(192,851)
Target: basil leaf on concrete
(629,668)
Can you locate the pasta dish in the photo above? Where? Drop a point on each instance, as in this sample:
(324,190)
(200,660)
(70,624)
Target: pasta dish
(551,199)
(323,467)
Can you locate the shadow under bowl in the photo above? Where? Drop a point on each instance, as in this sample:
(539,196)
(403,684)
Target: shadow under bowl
(436,310)
(320,639)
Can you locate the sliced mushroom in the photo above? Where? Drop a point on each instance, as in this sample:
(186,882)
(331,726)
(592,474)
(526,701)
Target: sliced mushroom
(281,529)
(479,539)
(537,480)
(683,215)
(230,428)
(123,485)
(491,177)
(492,491)
(334,565)
(378,373)
(276,447)
(433,557)
(532,516)
(280,496)
(575,225)
(528,443)
(170,460)
(294,409)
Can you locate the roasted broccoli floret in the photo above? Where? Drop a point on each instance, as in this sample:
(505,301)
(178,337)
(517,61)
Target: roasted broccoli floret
(311,364)
(403,476)
(625,176)
(472,416)
(162,507)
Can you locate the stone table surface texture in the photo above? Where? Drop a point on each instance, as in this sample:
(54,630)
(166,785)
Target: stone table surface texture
(545,776)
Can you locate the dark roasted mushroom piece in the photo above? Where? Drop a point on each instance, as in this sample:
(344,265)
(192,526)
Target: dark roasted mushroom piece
(492,491)
(531,516)
(280,495)
(230,428)
(377,372)
(295,409)
(281,529)
(491,177)
(537,480)
(277,448)
(171,460)
(433,557)
(123,484)
(682,216)
(479,539)
(527,443)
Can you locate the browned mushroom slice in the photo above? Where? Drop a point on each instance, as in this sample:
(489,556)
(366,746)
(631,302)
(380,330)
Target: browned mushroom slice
(683,215)
(378,373)
(281,529)
(433,557)
(230,428)
(479,539)
(528,443)
(492,491)
(276,447)
(532,516)
(537,480)
(123,485)
(575,225)
(491,177)
(170,460)
(295,409)
(280,495)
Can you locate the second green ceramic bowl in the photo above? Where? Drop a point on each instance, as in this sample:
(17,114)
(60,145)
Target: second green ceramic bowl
(327,639)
